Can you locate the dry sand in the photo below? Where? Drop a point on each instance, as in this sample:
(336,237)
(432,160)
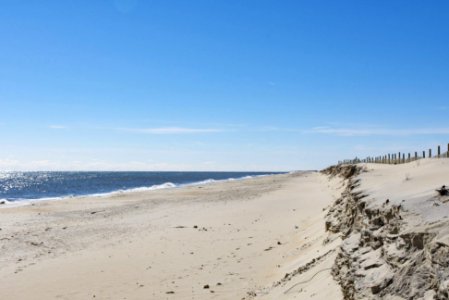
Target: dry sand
(351,232)
(228,240)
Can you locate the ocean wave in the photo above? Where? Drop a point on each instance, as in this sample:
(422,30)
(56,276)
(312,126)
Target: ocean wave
(207,181)
(4,202)
(166,185)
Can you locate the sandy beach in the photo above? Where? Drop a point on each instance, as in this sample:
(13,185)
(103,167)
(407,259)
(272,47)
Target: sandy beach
(231,150)
(366,231)
(227,240)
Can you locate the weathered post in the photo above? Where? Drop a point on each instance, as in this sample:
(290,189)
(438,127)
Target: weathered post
(389,158)
(399,158)
(416,155)
(403,158)
(430,153)
(409,157)
(439,151)
(424,154)
(447,153)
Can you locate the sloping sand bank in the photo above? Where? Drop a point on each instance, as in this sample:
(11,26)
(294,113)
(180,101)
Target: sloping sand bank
(229,240)
(395,227)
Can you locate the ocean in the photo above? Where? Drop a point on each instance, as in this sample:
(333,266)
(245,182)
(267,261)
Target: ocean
(23,186)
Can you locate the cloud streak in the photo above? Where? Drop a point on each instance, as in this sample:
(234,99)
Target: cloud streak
(378,131)
(171,130)
(57,127)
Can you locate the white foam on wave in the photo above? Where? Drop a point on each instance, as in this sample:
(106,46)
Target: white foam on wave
(4,202)
(7,203)
(207,181)
(22,202)
(166,185)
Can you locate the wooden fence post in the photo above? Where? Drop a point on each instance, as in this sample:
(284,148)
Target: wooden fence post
(447,153)
(416,155)
(439,151)
(409,158)
(424,154)
(430,153)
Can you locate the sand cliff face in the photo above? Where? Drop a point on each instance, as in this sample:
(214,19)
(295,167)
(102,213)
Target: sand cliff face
(390,249)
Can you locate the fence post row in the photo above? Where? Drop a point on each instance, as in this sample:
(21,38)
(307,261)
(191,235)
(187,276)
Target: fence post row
(397,158)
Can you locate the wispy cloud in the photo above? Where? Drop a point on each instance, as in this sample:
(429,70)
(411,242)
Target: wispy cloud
(378,131)
(57,127)
(171,130)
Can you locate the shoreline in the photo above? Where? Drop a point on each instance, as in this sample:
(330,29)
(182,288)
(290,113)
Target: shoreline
(8,203)
(364,231)
(238,237)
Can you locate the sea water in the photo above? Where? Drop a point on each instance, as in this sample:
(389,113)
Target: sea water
(23,186)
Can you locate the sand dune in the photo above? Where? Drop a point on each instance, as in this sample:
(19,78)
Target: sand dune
(364,231)
(394,225)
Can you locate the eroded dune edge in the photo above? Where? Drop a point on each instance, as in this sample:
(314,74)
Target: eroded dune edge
(395,231)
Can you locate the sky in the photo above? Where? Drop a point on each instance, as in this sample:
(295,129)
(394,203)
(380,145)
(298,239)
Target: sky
(218,85)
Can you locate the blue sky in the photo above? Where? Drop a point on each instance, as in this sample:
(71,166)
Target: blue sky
(219,85)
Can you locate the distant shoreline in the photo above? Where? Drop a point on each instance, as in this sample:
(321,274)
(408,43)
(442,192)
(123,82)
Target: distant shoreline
(227,238)
(8,202)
